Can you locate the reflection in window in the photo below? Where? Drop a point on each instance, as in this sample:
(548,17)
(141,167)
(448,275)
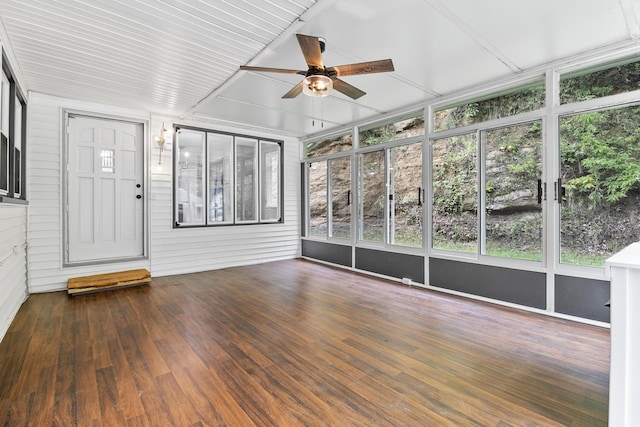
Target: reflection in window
(4,164)
(17,137)
(190,177)
(4,133)
(12,136)
(455,193)
(220,150)
(218,179)
(269,181)
(246,179)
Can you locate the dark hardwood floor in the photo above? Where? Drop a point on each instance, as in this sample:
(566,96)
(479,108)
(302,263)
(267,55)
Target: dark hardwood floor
(295,343)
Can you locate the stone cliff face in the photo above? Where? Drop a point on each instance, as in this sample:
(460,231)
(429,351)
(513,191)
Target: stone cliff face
(512,165)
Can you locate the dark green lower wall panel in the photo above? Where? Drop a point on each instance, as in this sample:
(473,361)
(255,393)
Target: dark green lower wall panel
(391,264)
(574,296)
(584,298)
(526,288)
(328,252)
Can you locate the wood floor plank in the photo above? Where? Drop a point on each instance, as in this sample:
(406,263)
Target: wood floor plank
(296,343)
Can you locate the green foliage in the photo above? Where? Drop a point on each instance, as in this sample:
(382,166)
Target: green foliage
(392,131)
(509,104)
(601,155)
(610,81)
(454,174)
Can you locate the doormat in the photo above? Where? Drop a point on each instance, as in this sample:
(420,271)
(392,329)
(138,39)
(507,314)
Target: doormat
(104,282)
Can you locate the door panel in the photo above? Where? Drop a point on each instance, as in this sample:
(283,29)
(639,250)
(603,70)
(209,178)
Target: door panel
(104,190)
(599,186)
(512,213)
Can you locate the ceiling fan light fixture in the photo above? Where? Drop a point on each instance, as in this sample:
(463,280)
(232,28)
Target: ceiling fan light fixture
(317,85)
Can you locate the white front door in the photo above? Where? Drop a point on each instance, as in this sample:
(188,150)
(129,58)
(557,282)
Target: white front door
(105,171)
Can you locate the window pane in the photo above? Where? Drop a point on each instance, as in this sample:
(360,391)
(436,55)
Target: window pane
(108,160)
(400,129)
(334,144)
(513,165)
(4,105)
(246,179)
(17,173)
(372,196)
(607,80)
(189,168)
(455,193)
(520,100)
(406,187)
(4,164)
(17,137)
(341,198)
(318,199)
(270,181)
(600,170)
(220,151)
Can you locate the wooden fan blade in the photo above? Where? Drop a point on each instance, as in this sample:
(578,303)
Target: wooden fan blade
(347,89)
(381,66)
(311,50)
(295,91)
(272,70)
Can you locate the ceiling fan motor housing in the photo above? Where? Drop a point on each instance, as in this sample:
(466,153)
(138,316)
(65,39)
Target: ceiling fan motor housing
(323,44)
(321,71)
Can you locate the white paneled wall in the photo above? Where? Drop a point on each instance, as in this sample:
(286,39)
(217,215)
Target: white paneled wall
(13,262)
(184,250)
(171,251)
(45,151)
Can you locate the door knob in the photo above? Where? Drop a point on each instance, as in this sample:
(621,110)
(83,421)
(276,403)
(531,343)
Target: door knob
(138,197)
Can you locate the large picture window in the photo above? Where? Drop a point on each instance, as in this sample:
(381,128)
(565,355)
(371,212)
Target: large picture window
(599,184)
(12,138)
(454,184)
(329,201)
(224,179)
(391,195)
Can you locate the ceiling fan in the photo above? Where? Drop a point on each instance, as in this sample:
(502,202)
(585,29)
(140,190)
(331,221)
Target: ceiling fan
(320,80)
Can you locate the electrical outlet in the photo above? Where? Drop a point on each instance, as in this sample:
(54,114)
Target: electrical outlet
(406,281)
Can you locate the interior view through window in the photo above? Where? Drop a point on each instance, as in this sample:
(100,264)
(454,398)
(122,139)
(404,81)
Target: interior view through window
(225,179)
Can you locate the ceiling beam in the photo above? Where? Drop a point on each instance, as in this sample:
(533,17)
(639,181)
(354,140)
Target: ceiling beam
(439,6)
(280,38)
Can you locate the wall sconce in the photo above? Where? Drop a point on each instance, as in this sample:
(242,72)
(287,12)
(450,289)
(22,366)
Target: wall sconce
(160,141)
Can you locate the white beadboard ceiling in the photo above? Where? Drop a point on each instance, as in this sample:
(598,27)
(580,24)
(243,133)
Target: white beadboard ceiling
(181,57)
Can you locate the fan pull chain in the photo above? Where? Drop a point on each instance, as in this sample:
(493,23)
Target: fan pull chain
(313,112)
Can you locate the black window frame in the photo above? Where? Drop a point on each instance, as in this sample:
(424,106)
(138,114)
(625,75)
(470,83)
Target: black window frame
(233,223)
(15,92)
